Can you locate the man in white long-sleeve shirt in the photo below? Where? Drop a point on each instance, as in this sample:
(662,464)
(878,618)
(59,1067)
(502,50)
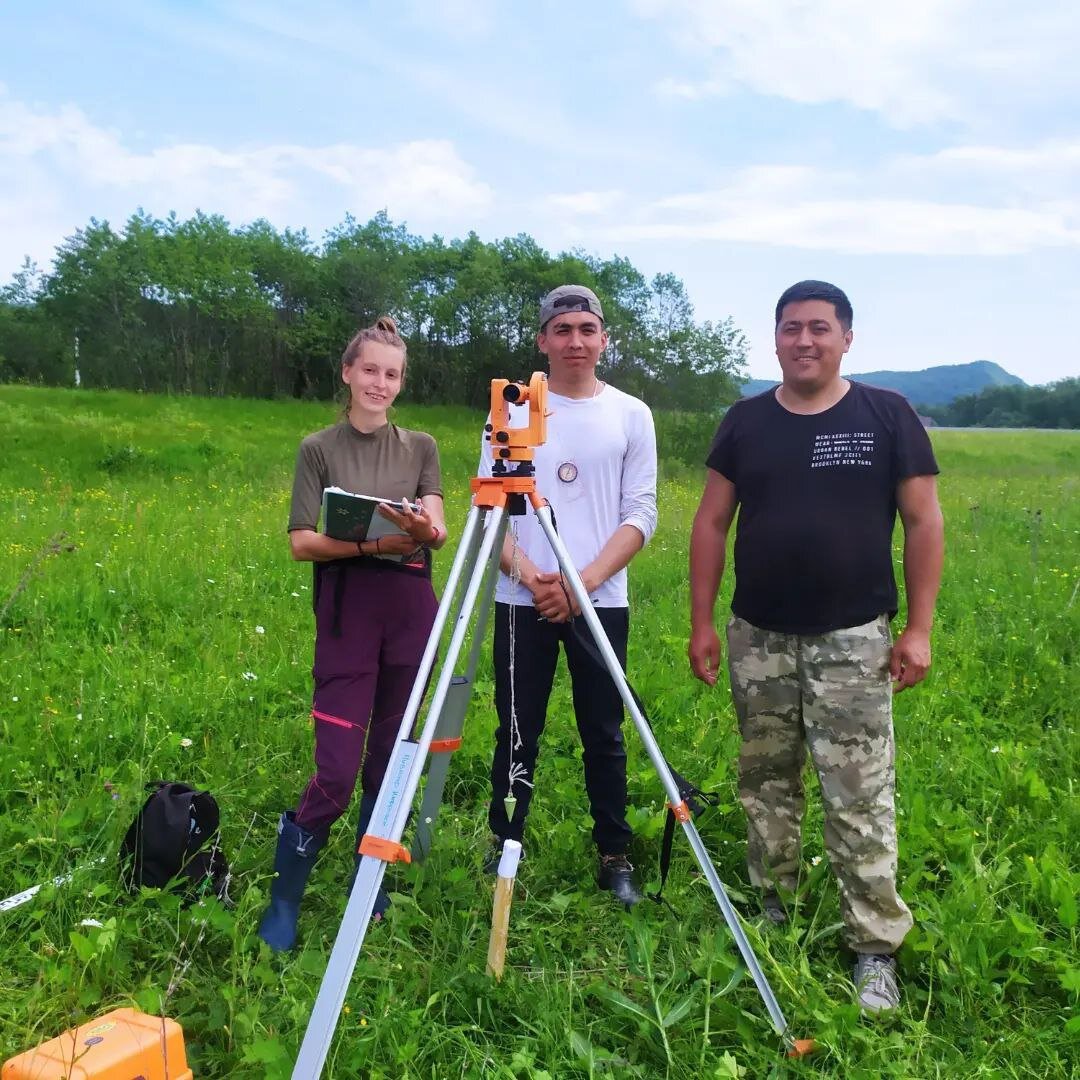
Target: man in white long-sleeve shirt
(598,471)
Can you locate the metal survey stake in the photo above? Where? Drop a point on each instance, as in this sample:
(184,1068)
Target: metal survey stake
(510,490)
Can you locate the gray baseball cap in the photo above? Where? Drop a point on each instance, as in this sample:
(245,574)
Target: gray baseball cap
(569,298)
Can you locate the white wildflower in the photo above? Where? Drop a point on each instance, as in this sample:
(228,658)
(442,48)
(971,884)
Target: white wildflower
(250,676)
(995,749)
(185,743)
(260,629)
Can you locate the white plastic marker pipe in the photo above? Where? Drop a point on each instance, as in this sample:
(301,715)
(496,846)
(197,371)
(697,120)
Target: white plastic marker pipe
(500,912)
(27,895)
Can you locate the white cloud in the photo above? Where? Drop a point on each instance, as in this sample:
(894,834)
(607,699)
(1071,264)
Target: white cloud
(907,206)
(964,200)
(57,163)
(916,62)
(1043,176)
(690,91)
(760,182)
(1048,157)
(865,227)
(585,203)
(408,178)
(57,168)
(1047,172)
(460,19)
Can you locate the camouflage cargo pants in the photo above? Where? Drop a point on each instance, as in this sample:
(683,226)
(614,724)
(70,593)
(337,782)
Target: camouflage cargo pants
(832,693)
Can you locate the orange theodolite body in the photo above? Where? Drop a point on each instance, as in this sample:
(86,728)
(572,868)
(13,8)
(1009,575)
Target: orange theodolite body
(122,1045)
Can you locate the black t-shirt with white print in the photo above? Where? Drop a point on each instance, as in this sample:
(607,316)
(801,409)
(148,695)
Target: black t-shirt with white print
(817,506)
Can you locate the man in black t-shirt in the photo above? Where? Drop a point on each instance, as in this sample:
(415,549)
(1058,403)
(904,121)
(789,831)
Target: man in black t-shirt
(818,468)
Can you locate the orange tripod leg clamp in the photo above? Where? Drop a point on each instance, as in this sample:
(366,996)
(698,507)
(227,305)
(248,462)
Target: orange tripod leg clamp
(444,746)
(681,811)
(387,850)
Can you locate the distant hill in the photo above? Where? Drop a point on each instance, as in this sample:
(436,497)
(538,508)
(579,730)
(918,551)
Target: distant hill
(932,386)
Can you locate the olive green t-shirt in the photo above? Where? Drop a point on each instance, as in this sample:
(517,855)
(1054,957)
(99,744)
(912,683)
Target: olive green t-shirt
(388,463)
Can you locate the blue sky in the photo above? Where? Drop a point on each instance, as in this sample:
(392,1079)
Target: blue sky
(924,156)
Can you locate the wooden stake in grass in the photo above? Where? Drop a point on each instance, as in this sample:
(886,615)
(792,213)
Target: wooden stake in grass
(500,912)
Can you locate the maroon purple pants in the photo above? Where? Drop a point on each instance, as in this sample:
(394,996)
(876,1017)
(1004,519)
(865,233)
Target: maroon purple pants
(371,626)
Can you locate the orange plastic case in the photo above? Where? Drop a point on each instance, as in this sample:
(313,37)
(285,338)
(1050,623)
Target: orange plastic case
(122,1045)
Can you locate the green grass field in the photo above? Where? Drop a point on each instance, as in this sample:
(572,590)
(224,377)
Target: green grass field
(167,634)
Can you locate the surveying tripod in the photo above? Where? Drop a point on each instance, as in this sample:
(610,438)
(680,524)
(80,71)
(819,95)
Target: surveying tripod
(476,564)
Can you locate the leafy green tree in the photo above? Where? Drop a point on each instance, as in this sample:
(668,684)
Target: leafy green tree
(197,307)
(1056,405)
(32,348)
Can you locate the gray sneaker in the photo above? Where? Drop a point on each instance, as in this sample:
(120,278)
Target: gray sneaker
(875,982)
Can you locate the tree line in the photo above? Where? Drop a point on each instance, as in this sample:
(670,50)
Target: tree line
(198,307)
(1056,405)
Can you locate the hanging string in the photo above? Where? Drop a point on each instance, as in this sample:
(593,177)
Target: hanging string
(517,771)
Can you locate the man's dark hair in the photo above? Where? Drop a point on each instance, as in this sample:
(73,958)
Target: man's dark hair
(817,290)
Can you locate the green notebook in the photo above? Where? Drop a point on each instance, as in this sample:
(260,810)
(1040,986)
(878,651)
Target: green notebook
(352,517)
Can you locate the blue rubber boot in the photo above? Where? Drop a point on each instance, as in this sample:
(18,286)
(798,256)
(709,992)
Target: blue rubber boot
(367,807)
(295,856)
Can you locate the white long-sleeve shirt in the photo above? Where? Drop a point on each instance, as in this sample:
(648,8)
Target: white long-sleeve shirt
(605,450)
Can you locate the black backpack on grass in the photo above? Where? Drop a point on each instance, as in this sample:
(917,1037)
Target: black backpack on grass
(165,841)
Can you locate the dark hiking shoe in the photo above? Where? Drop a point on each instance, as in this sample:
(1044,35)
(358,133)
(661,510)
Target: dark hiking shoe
(875,982)
(774,909)
(616,874)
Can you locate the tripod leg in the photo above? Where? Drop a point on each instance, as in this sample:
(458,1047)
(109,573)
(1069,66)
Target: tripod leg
(543,514)
(396,795)
(452,718)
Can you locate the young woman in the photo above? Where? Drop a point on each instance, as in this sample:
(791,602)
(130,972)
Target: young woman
(372,614)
